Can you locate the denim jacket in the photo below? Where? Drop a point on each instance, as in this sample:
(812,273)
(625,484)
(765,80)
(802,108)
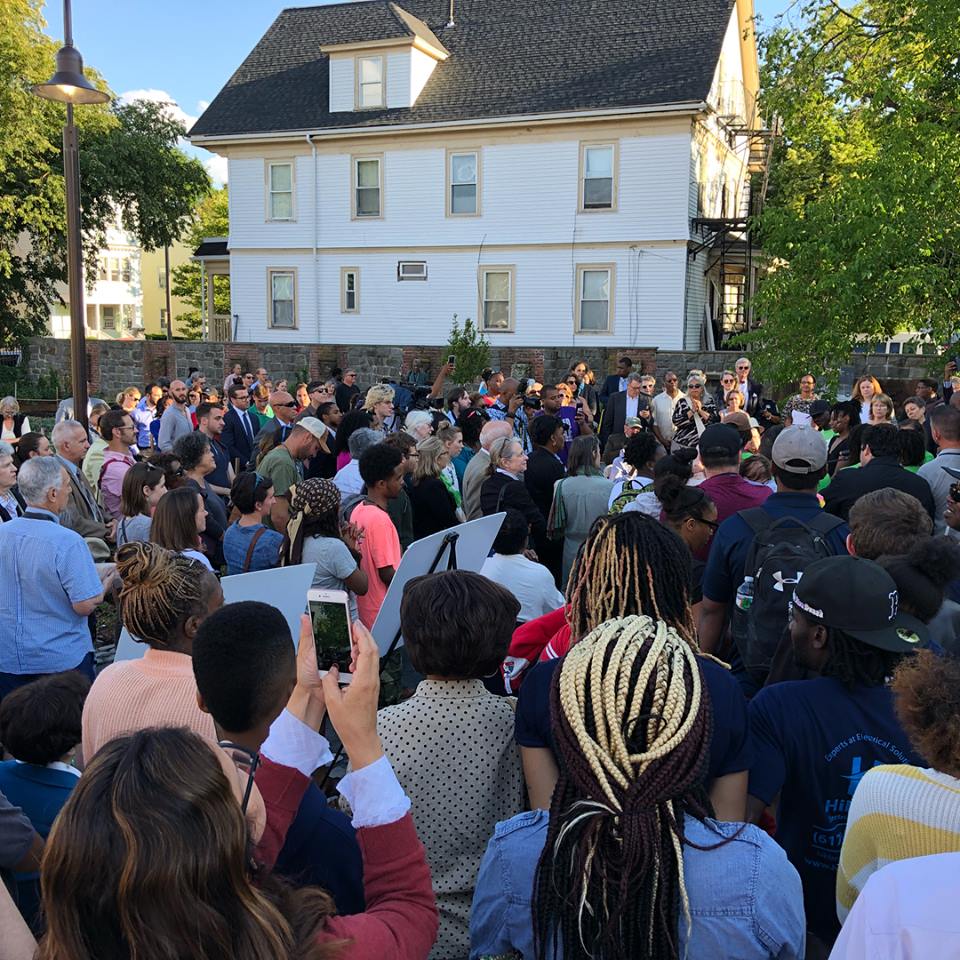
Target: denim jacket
(746,901)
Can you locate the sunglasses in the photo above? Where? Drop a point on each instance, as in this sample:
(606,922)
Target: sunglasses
(708,523)
(290,404)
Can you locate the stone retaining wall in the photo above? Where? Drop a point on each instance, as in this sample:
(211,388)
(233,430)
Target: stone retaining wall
(114,365)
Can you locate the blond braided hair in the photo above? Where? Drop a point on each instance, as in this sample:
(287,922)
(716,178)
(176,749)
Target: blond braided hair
(632,730)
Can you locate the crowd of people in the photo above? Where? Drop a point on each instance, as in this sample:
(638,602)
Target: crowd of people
(701,700)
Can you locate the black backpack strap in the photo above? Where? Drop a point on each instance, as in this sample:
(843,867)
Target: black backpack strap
(757,519)
(825,523)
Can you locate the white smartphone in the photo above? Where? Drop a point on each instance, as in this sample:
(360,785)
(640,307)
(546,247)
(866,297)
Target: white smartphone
(330,616)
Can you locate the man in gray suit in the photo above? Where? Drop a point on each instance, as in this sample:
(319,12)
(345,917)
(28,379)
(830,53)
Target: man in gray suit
(83,514)
(479,466)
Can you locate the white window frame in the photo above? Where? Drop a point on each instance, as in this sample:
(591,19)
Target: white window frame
(355,161)
(112,325)
(282,271)
(269,192)
(401,277)
(359,84)
(482,271)
(582,269)
(345,273)
(613,146)
(478,182)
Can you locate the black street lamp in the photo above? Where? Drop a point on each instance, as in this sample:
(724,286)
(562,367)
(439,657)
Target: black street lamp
(68,85)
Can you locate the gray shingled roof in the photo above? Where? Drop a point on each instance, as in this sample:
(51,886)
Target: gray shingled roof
(507,58)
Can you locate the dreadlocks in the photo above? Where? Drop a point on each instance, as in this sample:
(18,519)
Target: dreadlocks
(631,725)
(630,564)
(853,662)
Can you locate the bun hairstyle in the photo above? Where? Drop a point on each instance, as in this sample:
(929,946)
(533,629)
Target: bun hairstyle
(680,501)
(679,464)
(249,489)
(160,590)
(446,431)
(922,575)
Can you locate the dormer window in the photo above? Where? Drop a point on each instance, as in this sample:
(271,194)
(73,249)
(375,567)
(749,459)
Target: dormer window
(370,83)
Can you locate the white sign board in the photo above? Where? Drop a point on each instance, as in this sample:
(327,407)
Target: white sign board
(473,543)
(283,587)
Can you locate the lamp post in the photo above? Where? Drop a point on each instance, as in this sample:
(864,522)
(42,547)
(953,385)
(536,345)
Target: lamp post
(68,85)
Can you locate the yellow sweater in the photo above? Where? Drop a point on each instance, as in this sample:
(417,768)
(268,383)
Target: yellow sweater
(897,812)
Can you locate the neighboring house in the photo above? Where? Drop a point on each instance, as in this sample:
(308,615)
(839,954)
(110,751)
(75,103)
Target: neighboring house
(154,280)
(543,169)
(114,305)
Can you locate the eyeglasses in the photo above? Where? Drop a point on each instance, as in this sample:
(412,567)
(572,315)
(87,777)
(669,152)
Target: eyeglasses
(246,761)
(290,404)
(709,523)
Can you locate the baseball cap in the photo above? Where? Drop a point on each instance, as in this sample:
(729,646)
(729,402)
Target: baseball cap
(860,598)
(739,420)
(317,427)
(633,422)
(799,449)
(720,438)
(819,407)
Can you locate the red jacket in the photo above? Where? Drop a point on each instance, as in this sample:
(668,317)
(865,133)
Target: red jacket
(541,639)
(401,920)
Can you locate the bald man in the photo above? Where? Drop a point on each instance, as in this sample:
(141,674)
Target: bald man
(479,465)
(175,422)
(284,414)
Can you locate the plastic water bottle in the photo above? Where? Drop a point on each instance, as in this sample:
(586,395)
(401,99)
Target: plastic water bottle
(745,594)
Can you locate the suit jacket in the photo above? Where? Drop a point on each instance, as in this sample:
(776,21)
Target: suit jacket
(83,515)
(543,471)
(851,483)
(235,438)
(5,516)
(610,386)
(754,397)
(615,415)
(500,491)
(473,479)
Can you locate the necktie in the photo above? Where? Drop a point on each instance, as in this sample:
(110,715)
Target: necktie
(245,417)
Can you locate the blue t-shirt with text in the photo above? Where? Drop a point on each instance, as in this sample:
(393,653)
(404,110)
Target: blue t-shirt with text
(813,740)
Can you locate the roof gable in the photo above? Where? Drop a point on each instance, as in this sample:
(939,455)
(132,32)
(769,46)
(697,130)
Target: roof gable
(506,59)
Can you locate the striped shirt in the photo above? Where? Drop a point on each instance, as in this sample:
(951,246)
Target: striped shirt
(897,812)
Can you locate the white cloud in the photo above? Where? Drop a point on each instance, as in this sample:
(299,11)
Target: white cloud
(217,168)
(160,96)
(202,105)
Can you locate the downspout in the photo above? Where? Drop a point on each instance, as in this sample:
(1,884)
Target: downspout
(316,234)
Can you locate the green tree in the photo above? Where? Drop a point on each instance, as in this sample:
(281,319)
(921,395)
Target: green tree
(210,219)
(129,160)
(863,221)
(470,348)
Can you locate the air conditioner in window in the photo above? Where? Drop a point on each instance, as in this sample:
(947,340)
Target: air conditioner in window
(412,270)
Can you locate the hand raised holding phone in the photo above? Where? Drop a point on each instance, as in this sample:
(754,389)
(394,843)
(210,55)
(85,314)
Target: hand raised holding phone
(353,708)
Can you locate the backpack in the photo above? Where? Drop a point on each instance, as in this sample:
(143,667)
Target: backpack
(628,493)
(781,550)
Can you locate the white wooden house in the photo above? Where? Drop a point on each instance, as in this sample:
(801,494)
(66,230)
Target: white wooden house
(555,170)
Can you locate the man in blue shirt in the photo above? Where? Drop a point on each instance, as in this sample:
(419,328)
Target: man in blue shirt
(50,583)
(814,739)
(799,464)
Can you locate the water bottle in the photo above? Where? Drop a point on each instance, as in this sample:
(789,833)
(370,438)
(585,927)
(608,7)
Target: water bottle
(745,594)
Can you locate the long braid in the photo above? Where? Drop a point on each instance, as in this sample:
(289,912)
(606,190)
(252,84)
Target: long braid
(632,730)
(630,564)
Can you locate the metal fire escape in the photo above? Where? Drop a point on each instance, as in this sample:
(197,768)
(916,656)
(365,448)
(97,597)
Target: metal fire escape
(725,246)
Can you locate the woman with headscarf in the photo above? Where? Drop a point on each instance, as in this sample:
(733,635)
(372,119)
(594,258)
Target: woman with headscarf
(316,535)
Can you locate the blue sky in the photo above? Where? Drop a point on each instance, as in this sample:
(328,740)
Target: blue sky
(185,50)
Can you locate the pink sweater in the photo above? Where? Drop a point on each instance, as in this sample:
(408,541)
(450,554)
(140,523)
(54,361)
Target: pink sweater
(157,691)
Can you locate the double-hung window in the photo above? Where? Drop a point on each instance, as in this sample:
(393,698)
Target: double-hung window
(367,187)
(282,296)
(349,290)
(598,172)
(370,83)
(463,171)
(280,190)
(595,283)
(497,298)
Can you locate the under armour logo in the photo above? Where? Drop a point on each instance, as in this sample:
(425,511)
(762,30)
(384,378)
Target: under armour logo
(779,580)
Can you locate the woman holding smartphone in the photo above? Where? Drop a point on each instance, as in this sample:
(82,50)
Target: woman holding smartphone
(315,535)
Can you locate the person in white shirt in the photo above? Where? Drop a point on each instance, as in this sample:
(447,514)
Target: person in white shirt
(348,480)
(531,583)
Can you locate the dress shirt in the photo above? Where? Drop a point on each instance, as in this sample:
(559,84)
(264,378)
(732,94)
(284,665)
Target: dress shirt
(632,406)
(348,480)
(142,415)
(44,568)
(10,503)
(245,422)
(173,425)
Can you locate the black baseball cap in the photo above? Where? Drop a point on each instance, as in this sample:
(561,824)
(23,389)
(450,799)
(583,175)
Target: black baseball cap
(819,407)
(860,598)
(720,438)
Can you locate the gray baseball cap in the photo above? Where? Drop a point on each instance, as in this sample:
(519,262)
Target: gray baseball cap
(800,449)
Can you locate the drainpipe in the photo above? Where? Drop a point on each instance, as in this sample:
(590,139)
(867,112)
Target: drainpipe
(316,229)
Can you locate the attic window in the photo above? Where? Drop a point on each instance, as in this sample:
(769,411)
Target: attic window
(370,83)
